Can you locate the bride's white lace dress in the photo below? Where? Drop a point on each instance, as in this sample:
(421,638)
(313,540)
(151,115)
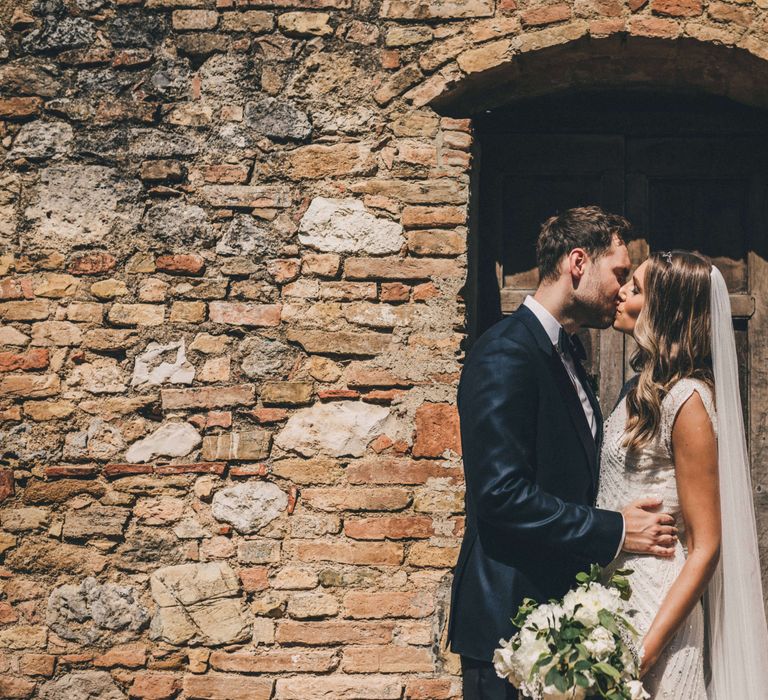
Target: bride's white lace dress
(625,477)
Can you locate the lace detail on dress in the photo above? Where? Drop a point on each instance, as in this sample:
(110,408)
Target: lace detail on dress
(625,477)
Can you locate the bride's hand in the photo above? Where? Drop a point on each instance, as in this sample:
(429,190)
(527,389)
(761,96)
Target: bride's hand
(646,661)
(647,532)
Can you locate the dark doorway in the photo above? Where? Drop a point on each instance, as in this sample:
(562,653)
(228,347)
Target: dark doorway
(689,172)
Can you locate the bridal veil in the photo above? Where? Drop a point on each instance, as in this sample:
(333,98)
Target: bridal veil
(736,624)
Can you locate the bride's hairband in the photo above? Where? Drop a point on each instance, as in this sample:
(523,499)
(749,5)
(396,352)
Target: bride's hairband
(667,255)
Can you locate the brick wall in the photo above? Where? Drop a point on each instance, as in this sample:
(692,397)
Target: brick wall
(232,247)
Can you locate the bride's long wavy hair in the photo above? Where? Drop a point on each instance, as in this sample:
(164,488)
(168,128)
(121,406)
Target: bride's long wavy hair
(673,334)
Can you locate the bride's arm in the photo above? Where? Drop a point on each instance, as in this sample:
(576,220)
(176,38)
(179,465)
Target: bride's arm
(695,453)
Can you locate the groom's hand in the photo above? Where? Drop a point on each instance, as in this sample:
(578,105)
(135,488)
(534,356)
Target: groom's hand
(647,532)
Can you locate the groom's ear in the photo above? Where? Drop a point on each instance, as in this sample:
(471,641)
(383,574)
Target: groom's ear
(577,262)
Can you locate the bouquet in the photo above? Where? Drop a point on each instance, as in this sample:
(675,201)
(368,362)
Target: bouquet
(580,647)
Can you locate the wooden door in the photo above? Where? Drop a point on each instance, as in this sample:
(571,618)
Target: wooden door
(525,178)
(692,182)
(703,194)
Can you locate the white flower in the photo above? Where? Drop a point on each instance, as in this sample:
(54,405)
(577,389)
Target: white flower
(505,663)
(591,602)
(636,690)
(600,643)
(575,693)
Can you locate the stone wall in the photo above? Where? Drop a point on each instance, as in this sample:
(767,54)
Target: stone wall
(232,250)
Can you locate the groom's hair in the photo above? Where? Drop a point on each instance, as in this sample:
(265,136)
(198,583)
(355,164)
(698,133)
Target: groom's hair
(589,228)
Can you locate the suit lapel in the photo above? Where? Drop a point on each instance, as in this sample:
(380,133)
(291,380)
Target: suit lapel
(573,404)
(598,414)
(568,392)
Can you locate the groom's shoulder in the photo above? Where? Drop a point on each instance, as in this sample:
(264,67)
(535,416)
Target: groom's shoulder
(510,333)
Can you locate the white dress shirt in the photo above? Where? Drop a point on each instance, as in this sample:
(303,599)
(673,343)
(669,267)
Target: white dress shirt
(552,327)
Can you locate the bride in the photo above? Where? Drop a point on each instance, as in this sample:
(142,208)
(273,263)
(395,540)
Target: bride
(678,433)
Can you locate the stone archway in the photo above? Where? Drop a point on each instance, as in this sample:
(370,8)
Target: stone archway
(730,81)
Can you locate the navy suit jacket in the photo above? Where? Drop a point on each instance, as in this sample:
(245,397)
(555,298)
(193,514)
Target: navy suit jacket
(531,469)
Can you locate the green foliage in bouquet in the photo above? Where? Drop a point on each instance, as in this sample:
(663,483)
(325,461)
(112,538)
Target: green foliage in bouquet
(581,647)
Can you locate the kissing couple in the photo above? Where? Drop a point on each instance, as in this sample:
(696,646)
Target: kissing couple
(662,487)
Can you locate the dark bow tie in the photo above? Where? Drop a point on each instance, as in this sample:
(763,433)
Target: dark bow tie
(572,345)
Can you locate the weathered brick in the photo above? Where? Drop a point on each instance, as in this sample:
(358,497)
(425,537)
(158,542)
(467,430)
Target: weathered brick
(19,107)
(359,343)
(246,196)
(390,659)
(226,686)
(389,528)
(192,468)
(137,314)
(11,289)
(118,470)
(185,20)
(188,264)
(92,264)
(436,9)
(305,24)
(38,665)
(12,687)
(332,499)
(25,310)
(366,553)
(363,377)
(253,21)
(274,661)
(321,161)
(187,312)
(30,360)
(424,291)
(333,632)
(268,416)
(125,655)
(55,286)
(30,385)
(7,488)
(109,339)
(400,268)
(249,445)
(71,470)
(436,242)
(425,217)
(254,579)
(547,14)
(340,687)
(654,27)
(394,292)
(405,78)
(319,470)
(423,554)
(437,430)
(321,264)
(481,59)
(432,689)
(286,393)
(224,173)
(244,314)
(258,552)
(209,397)
(677,8)
(388,604)
(108,289)
(85,312)
(162,171)
(389,470)
(151,685)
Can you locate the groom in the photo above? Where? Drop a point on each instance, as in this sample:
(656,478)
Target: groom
(531,431)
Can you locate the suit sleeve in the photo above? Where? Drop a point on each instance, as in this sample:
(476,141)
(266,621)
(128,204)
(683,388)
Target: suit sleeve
(497,408)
